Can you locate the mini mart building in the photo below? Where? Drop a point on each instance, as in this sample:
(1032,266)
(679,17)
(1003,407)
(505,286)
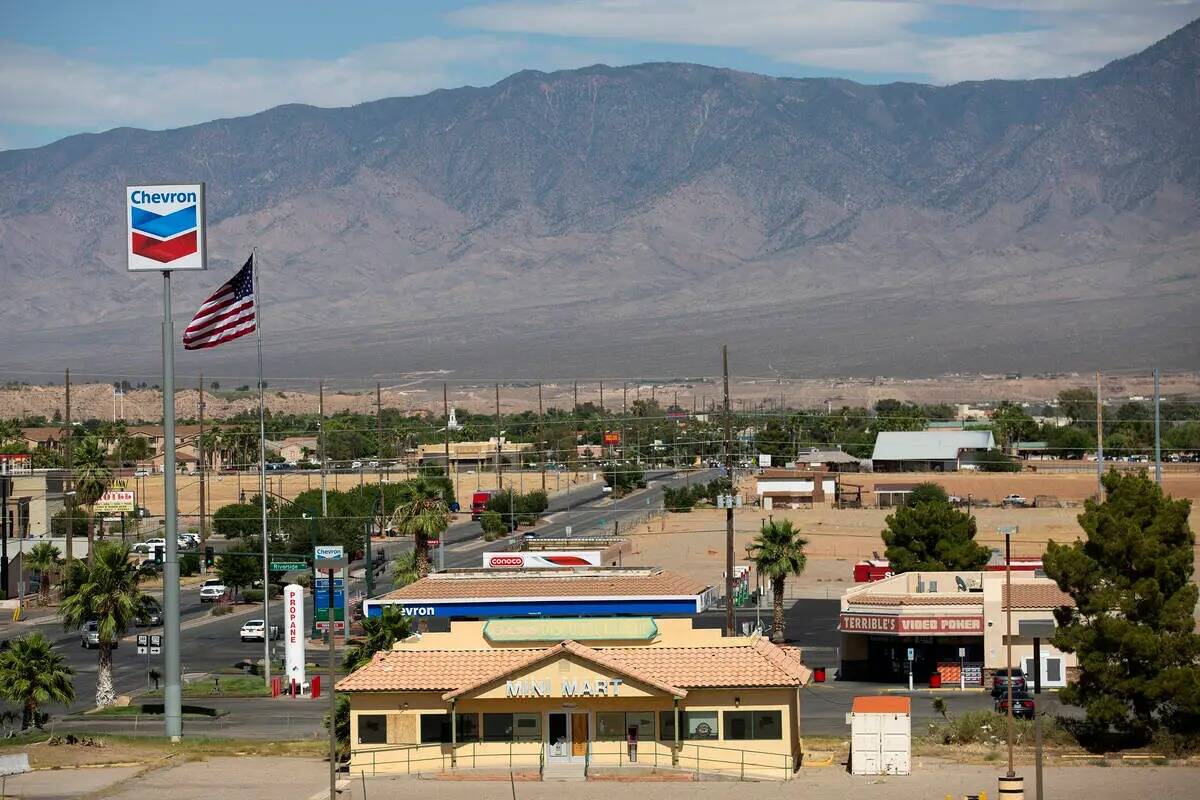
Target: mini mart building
(580,694)
(953,622)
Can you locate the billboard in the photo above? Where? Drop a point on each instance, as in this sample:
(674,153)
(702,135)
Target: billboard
(612,438)
(542,558)
(293,626)
(114,501)
(164,227)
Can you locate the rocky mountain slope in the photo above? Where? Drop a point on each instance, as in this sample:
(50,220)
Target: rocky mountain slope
(628,220)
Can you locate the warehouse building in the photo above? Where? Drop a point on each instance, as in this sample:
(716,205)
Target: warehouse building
(927,451)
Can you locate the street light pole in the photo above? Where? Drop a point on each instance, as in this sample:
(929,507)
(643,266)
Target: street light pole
(1010,784)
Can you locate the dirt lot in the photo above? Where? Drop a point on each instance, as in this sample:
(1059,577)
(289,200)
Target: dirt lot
(694,543)
(1067,488)
(226,488)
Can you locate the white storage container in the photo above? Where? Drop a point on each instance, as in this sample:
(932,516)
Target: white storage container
(881,736)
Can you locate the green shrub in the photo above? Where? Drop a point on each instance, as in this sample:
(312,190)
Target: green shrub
(252,595)
(189,564)
(221,610)
(492,523)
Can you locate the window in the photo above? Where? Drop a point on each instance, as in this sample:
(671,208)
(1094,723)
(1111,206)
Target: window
(436,728)
(527,727)
(696,725)
(468,727)
(753,725)
(610,726)
(497,727)
(613,726)
(372,729)
(644,722)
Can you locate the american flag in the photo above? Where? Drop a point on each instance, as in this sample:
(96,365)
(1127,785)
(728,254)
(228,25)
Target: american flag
(226,315)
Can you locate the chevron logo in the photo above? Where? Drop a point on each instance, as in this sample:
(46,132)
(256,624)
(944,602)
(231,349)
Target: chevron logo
(163,237)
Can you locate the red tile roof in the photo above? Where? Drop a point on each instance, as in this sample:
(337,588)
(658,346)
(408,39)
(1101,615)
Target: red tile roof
(960,599)
(671,669)
(1037,595)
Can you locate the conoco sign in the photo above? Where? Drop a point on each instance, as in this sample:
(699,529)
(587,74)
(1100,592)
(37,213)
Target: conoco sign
(896,625)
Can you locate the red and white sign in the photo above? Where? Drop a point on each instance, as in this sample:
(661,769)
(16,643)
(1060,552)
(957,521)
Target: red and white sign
(541,559)
(872,569)
(897,625)
(15,463)
(293,626)
(612,438)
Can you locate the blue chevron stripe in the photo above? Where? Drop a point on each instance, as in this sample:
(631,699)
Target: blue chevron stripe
(163,225)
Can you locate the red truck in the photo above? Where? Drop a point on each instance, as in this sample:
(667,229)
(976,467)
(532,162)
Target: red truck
(479,501)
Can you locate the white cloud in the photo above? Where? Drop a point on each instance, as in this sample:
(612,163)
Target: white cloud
(1057,37)
(40,87)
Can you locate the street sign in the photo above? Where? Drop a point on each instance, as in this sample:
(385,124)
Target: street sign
(764,459)
(910,654)
(330,552)
(962,652)
(142,650)
(143,644)
(287,566)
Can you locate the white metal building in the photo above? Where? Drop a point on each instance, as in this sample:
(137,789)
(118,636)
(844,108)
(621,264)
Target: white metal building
(935,451)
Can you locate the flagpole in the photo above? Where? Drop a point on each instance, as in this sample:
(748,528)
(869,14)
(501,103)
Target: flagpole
(262,473)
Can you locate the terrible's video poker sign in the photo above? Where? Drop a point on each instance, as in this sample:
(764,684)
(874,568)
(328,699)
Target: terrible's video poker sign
(165,227)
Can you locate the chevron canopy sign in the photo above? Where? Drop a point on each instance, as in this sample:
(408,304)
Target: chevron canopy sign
(165,227)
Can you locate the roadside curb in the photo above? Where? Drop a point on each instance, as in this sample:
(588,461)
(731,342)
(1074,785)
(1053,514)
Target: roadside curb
(943,690)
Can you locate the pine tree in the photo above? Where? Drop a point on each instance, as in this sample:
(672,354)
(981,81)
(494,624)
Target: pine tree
(929,534)
(1132,626)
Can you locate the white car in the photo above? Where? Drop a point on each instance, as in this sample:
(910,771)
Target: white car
(212,592)
(254,631)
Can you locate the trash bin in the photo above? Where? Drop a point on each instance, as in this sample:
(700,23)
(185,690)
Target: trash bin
(935,680)
(819,675)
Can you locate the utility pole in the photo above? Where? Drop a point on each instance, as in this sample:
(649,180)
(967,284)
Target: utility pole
(729,621)
(624,404)
(575,389)
(446,414)
(321,446)
(542,438)
(601,398)
(499,474)
(1099,442)
(203,466)
(69,481)
(379,465)
(1157,432)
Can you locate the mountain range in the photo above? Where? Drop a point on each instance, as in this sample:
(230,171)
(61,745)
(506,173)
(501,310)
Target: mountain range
(629,221)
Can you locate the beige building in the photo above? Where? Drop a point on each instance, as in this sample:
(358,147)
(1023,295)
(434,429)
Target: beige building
(953,622)
(37,495)
(298,448)
(473,454)
(578,695)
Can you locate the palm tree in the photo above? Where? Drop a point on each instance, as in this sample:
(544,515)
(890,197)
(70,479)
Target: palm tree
(777,551)
(93,476)
(43,558)
(381,633)
(106,591)
(421,513)
(31,673)
(404,569)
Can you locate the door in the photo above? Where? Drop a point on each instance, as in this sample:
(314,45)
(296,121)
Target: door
(557,741)
(1052,672)
(579,735)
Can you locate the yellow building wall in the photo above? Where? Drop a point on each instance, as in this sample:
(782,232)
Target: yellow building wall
(403,753)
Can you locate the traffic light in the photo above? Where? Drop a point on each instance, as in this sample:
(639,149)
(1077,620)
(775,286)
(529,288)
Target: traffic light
(158,554)
(210,557)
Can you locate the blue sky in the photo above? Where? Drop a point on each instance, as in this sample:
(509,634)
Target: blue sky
(69,67)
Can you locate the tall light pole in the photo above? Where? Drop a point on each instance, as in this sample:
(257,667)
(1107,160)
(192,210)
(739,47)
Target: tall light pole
(1011,784)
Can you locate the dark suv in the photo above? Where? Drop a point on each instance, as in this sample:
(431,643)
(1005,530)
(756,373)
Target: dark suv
(1000,682)
(1023,706)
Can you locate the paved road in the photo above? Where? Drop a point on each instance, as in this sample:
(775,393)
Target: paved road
(209,644)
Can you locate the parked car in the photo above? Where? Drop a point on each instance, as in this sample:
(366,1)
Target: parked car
(89,636)
(141,473)
(151,619)
(1015,501)
(1000,682)
(254,631)
(1023,705)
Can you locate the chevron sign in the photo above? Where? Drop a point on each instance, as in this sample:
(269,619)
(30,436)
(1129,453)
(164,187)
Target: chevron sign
(165,227)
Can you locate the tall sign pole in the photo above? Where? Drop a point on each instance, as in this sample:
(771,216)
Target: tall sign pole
(165,232)
(729,620)
(1099,442)
(1157,431)
(203,466)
